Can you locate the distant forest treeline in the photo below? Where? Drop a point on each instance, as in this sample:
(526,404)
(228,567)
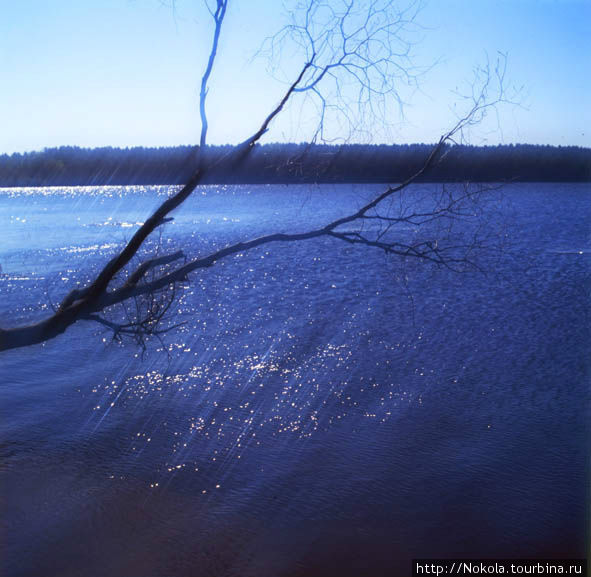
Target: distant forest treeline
(293,163)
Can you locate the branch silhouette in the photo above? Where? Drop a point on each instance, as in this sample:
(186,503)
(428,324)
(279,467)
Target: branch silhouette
(151,286)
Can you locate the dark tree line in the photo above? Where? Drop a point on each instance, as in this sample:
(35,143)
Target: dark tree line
(294,163)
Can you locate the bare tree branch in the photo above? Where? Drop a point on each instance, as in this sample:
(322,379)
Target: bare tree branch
(335,41)
(360,59)
(218,17)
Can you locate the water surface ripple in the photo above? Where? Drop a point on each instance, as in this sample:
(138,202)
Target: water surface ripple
(323,410)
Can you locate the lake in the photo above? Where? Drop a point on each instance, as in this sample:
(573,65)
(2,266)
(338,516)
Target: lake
(324,409)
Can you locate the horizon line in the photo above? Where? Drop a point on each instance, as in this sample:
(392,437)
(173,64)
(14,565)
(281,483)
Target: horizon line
(340,145)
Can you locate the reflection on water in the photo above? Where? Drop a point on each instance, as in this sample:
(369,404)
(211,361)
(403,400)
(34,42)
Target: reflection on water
(322,410)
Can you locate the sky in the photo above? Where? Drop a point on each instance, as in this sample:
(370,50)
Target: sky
(127,73)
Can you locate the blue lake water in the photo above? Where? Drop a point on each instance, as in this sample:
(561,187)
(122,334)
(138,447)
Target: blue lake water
(323,410)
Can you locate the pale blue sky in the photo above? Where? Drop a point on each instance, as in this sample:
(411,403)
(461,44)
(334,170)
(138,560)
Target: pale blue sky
(126,72)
